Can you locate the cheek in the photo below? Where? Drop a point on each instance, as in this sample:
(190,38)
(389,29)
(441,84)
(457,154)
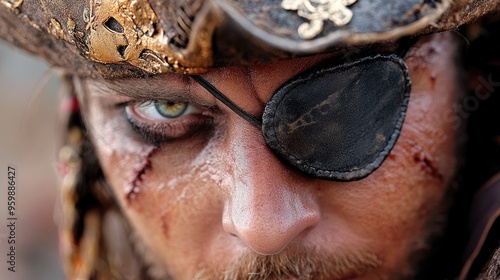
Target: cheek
(179,209)
(124,161)
(432,126)
(393,206)
(136,175)
(422,164)
(170,194)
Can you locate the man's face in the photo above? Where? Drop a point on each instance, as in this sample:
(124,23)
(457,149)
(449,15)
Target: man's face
(206,195)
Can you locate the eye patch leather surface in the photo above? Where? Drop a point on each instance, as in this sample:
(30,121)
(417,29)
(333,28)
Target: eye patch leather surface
(339,122)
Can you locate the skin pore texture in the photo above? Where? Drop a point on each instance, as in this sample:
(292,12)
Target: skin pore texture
(212,201)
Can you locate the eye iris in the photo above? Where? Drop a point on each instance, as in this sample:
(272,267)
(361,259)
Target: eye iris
(171,109)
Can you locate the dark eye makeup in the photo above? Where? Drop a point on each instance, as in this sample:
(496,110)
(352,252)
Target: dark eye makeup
(160,121)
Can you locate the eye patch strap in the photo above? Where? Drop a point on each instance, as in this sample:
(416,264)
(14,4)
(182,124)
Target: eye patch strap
(222,98)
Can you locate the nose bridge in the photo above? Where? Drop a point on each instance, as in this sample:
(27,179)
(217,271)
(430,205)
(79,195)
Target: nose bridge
(268,205)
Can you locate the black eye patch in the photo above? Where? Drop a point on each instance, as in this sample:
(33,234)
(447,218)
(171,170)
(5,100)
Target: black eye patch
(334,122)
(339,122)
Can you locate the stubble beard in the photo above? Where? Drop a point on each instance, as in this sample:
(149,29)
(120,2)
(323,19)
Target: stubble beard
(294,262)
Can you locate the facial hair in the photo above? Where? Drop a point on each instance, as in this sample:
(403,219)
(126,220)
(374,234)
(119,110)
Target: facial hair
(295,262)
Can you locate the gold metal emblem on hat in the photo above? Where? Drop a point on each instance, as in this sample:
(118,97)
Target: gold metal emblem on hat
(127,31)
(317,11)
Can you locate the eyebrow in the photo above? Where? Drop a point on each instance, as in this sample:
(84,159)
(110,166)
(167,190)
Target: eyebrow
(146,88)
(155,88)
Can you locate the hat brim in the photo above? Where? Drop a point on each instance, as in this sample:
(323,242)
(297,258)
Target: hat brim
(113,39)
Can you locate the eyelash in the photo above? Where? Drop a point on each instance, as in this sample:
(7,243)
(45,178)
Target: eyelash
(161,131)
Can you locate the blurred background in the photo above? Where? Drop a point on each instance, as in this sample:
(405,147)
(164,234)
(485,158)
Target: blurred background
(29,100)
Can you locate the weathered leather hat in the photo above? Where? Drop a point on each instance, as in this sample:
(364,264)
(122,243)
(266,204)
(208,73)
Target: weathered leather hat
(123,38)
(119,38)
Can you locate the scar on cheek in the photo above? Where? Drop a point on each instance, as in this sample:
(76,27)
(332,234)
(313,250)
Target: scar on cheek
(139,172)
(427,163)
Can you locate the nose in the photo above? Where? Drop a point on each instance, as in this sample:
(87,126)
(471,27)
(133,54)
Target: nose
(269,206)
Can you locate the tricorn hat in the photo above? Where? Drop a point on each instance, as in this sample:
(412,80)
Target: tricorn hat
(120,38)
(135,38)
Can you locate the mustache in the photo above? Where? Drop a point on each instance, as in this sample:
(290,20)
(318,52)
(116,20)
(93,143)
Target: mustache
(295,262)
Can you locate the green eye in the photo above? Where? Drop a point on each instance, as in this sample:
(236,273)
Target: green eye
(171,109)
